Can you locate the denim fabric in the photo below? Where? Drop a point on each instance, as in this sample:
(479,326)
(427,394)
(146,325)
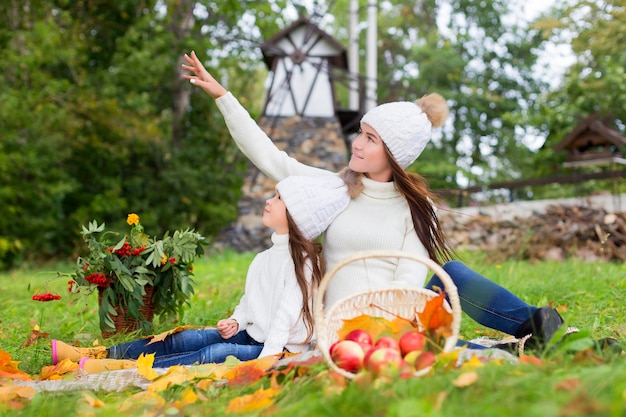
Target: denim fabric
(485,301)
(191,347)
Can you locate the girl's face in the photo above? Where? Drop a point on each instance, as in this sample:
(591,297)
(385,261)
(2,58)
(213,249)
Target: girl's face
(369,156)
(275,215)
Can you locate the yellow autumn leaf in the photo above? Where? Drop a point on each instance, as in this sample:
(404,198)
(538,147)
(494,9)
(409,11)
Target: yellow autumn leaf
(465,379)
(188,397)
(175,375)
(261,398)
(92,401)
(474,362)
(161,336)
(144,366)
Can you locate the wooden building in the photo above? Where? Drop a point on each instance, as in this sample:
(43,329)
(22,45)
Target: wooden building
(299,115)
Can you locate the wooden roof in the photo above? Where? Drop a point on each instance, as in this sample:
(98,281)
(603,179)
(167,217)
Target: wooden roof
(591,132)
(271,50)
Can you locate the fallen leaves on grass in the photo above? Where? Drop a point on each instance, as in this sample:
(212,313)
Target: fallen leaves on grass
(34,336)
(8,368)
(569,384)
(10,392)
(58,371)
(260,399)
(465,379)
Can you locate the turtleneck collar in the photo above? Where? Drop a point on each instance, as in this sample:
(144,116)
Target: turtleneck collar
(377,189)
(280,240)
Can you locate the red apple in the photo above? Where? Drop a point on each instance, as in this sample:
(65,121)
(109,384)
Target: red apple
(411,341)
(362,337)
(387,341)
(380,359)
(424,360)
(348,355)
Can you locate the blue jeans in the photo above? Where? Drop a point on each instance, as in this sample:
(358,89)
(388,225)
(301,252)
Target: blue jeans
(485,301)
(191,347)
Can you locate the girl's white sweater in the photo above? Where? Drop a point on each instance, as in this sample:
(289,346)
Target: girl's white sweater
(270,309)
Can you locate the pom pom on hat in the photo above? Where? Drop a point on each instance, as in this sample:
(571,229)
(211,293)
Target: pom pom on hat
(405,127)
(313,202)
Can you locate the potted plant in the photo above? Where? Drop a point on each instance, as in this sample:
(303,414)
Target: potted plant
(136,276)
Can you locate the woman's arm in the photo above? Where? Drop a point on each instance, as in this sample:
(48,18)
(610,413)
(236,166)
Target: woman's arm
(250,138)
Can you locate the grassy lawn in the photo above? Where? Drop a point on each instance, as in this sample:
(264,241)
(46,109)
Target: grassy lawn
(590,296)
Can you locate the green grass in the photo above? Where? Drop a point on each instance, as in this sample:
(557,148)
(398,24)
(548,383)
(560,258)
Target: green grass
(590,296)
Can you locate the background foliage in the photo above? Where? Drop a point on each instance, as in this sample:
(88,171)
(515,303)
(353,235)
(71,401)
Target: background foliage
(96,121)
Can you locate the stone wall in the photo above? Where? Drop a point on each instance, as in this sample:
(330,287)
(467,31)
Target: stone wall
(314,141)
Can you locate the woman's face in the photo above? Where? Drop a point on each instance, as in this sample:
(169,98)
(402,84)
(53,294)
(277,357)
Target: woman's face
(369,156)
(275,215)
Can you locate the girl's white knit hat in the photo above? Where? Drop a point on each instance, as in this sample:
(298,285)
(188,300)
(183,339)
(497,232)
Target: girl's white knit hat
(313,202)
(404,128)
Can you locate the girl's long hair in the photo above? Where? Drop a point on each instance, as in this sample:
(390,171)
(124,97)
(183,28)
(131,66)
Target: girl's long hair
(303,250)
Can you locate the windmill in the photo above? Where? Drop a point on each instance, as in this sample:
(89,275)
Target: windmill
(300,115)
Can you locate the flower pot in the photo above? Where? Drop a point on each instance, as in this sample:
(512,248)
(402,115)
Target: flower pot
(123,322)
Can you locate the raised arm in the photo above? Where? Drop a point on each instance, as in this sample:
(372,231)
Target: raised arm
(250,138)
(200,76)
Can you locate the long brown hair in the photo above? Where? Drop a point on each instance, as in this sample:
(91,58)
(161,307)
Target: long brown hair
(301,250)
(422,202)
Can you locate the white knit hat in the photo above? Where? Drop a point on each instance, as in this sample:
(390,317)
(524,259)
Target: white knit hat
(313,202)
(404,128)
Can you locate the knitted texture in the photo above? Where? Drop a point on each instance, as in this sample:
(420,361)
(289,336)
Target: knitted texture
(313,202)
(404,128)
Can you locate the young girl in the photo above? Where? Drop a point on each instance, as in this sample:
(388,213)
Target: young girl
(390,207)
(275,312)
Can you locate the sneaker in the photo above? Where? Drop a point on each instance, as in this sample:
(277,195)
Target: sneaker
(62,351)
(537,331)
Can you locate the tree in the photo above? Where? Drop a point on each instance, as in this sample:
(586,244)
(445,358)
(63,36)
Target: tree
(594,83)
(97,121)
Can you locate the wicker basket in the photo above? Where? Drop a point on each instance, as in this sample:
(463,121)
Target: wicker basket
(404,302)
(123,322)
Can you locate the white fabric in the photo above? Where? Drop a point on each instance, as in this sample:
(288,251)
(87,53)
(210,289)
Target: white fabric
(379,218)
(313,202)
(272,302)
(404,128)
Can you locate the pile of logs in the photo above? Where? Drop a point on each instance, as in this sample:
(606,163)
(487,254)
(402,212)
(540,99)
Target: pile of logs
(561,232)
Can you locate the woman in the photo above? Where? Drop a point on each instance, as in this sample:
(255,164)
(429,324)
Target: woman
(390,208)
(275,312)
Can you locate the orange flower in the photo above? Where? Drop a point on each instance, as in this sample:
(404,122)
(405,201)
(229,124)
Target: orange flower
(132,219)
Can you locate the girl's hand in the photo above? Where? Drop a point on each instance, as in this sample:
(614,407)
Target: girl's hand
(227,328)
(200,76)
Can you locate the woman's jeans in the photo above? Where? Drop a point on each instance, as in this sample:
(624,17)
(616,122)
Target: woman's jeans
(485,301)
(191,347)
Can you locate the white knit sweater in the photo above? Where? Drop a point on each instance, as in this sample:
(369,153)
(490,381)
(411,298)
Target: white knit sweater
(379,218)
(270,309)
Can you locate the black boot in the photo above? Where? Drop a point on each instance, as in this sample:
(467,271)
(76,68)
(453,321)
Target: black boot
(541,327)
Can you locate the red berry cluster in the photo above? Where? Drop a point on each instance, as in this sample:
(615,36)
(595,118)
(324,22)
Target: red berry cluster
(98,279)
(127,250)
(46,297)
(137,251)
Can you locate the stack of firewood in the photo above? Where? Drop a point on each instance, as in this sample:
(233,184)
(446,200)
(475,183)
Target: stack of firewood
(559,233)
